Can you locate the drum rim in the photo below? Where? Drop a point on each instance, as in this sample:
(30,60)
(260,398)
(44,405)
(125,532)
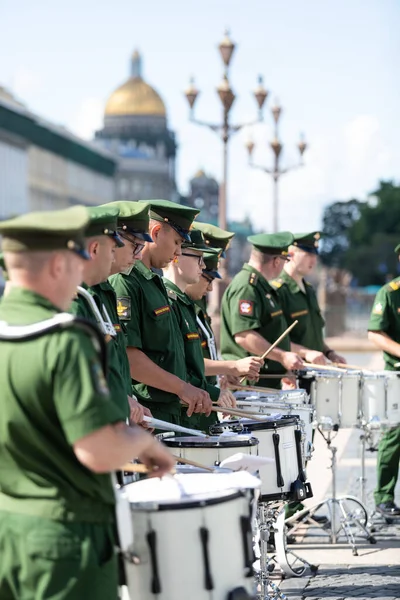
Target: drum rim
(202,443)
(285,421)
(155,506)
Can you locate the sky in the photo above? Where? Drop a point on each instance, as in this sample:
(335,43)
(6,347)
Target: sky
(333,66)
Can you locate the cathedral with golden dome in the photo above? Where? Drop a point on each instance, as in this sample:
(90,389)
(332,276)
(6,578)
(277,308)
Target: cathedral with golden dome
(136,132)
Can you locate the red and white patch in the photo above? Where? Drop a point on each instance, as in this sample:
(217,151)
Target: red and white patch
(246,308)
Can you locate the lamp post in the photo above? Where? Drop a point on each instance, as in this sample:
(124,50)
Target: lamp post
(225,129)
(276,172)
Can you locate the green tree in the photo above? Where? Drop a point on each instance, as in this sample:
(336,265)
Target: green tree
(361,236)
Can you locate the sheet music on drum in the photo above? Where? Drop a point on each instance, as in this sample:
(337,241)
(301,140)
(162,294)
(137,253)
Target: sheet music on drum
(175,488)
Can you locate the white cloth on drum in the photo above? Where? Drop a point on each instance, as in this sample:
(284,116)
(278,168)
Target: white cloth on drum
(245,462)
(176,487)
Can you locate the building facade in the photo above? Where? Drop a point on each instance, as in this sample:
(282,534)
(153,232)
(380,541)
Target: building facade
(136,133)
(44,167)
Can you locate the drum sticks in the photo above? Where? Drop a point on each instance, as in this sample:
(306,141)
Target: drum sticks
(192,463)
(237,413)
(274,345)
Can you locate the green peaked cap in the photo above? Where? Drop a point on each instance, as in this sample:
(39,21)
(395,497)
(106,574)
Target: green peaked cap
(104,221)
(215,236)
(178,216)
(133,218)
(211,261)
(197,242)
(46,231)
(307,241)
(272,243)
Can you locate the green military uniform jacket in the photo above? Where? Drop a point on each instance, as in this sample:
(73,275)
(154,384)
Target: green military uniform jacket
(201,313)
(53,394)
(251,303)
(205,422)
(303,307)
(151,326)
(385,316)
(118,375)
(184,309)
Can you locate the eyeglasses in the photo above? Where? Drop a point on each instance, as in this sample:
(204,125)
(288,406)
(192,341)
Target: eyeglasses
(137,246)
(207,278)
(199,258)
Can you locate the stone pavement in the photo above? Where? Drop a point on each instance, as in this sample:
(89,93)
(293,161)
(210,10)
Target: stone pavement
(375,572)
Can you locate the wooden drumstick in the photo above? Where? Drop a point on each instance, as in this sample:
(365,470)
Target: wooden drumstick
(253,388)
(346,366)
(236,412)
(323,367)
(192,463)
(139,468)
(274,345)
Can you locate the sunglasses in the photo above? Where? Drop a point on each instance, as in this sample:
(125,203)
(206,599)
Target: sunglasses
(199,258)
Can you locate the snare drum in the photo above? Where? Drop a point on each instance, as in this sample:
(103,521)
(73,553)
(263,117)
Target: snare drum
(305,413)
(380,398)
(189,542)
(296,396)
(335,396)
(279,439)
(212,450)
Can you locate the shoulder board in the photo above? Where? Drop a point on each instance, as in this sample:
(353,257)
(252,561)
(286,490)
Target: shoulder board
(394,285)
(253,278)
(172,295)
(277,283)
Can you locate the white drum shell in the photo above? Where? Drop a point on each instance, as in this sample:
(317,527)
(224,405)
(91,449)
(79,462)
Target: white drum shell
(214,455)
(179,550)
(288,458)
(295,396)
(380,398)
(337,397)
(305,413)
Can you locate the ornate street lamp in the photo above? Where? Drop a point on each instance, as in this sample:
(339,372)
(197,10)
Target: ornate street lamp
(225,129)
(276,171)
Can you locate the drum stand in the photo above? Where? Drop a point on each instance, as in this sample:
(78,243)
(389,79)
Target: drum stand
(353,516)
(271,520)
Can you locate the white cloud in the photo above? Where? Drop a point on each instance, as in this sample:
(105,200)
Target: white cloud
(88,118)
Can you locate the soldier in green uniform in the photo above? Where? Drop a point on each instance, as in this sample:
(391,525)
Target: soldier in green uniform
(156,353)
(384,331)
(299,302)
(102,241)
(251,316)
(184,270)
(61,433)
(215,237)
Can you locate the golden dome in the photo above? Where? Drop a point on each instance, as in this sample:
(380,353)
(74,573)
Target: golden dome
(135,96)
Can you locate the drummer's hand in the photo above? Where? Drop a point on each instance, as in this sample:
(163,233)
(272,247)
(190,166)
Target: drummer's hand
(147,413)
(229,380)
(336,358)
(291,361)
(249,366)
(157,459)
(198,400)
(226,399)
(136,411)
(316,358)
(288,383)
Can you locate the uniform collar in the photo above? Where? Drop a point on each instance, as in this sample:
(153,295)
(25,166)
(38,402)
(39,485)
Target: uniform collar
(144,271)
(174,288)
(250,269)
(106,286)
(292,285)
(22,295)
